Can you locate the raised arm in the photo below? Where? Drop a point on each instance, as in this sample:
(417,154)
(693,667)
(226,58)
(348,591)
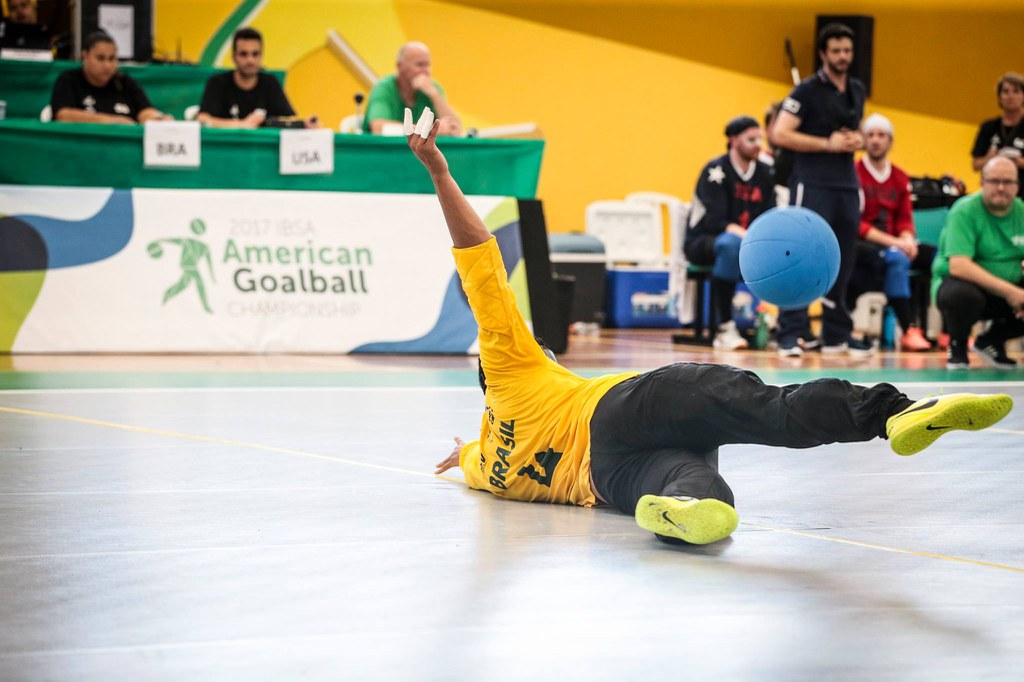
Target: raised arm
(464,225)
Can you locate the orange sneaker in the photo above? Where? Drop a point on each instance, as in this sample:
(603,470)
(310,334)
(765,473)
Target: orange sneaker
(943,341)
(913,340)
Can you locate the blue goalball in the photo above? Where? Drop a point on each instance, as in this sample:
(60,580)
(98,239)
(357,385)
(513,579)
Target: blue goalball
(789,257)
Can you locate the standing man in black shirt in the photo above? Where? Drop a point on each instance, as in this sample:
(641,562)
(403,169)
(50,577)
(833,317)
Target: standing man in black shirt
(732,191)
(1004,135)
(820,124)
(97,92)
(247,97)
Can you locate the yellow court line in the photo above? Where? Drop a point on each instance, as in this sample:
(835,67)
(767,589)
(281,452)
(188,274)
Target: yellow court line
(885,548)
(219,441)
(1016,433)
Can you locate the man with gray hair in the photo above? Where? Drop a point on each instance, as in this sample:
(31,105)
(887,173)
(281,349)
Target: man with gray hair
(887,247)
(979,271)
(410,86)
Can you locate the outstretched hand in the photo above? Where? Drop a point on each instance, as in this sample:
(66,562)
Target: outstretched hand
(426,149)
(451,460)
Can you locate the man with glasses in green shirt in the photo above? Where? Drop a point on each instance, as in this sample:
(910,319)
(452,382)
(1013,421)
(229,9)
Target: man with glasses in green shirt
(978,273)
(410,86)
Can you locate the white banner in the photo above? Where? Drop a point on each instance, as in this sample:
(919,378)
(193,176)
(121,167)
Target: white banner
(244,271)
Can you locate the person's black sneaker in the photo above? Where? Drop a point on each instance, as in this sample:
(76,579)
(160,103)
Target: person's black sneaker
(993,353)
(956,355)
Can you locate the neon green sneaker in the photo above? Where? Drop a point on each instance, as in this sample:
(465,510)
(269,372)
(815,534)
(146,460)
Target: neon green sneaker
(697,522)
(916,427)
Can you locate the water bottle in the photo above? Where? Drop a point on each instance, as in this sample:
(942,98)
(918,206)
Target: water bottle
(761,332)
(889,328)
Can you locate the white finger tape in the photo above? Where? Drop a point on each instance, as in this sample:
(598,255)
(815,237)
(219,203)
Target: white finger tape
(425,123)
(428,126)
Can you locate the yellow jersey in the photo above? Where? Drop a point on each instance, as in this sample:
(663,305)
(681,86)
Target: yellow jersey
(535,436)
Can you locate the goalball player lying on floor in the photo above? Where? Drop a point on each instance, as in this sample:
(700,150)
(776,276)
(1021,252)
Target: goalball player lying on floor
(638,441)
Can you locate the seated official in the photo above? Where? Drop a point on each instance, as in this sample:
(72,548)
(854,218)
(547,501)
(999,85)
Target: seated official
(887,247)
(248,97)
(733,190)
(977,274)
(411,86)
(97,92)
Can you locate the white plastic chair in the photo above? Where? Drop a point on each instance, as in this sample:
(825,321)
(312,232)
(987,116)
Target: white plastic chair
(675,214)
(351,124)
(631,232)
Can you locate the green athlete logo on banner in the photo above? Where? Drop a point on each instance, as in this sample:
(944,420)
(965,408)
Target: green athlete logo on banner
(193,252)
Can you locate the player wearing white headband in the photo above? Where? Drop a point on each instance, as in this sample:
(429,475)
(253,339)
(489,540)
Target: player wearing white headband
(887,248)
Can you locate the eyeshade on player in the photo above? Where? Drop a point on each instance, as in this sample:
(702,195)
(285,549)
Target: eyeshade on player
(637,441)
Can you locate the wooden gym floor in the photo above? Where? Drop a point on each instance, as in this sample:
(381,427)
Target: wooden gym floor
(275,517)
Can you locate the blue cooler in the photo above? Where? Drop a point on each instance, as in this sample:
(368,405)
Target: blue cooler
(639,298)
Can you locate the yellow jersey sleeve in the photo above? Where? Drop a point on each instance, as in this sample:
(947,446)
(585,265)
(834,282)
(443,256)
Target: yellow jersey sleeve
(507,345)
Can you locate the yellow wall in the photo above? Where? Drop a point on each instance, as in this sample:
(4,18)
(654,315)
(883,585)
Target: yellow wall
(619,114)
(937,56)
(188,23)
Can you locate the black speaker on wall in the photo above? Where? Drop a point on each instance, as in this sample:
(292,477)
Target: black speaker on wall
(863,28)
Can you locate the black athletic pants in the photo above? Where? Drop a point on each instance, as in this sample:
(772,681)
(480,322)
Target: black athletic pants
(650,434)
(841,209)
(869,275)
(963,303)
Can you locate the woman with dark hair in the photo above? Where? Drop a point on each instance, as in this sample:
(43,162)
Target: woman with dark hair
(1004,135)
(97,92)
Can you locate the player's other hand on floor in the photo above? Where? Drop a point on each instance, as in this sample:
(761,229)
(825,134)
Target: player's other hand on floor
(452,460)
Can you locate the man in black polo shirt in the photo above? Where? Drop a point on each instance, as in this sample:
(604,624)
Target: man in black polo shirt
(247,97)
(820,124)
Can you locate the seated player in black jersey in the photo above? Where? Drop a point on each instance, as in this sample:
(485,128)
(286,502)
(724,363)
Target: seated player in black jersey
(732,191)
